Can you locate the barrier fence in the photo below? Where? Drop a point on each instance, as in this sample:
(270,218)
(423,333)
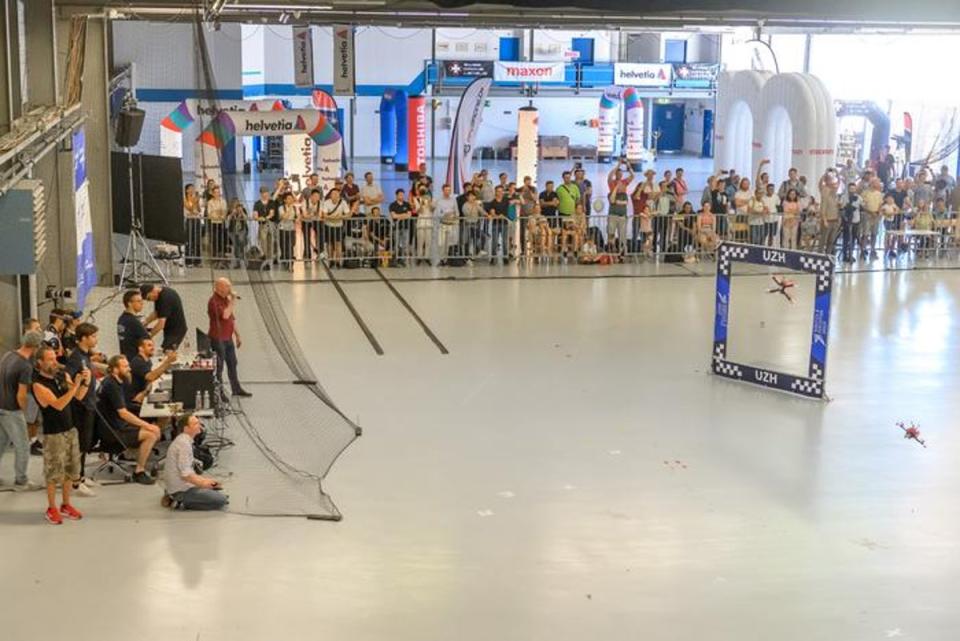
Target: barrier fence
(603,238)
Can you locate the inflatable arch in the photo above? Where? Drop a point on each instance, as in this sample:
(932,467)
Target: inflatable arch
(788,118)
(609,124)
(393,129)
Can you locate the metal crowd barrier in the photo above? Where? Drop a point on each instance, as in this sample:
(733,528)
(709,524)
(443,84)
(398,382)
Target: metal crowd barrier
(365,241)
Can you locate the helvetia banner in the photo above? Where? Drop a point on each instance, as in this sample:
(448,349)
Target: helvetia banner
(464,134)
(344,63)
(86,262)
(302,57)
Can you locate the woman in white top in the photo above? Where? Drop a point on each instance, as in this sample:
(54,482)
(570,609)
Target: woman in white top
(287,227)
(310,223)
(335,211)
(756,212)
(424,206)
(216,215)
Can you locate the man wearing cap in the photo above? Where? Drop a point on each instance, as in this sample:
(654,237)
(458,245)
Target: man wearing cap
(16,377)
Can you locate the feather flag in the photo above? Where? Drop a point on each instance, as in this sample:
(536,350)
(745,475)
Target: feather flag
(178,119)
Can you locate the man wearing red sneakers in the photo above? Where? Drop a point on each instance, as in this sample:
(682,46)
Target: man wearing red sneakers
(61,443)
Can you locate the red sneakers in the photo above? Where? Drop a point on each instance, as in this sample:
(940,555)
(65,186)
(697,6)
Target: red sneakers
(71,512)
(53,515)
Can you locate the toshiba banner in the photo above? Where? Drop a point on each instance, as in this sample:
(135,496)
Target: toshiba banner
(528,71)
(416,133)
(638,74)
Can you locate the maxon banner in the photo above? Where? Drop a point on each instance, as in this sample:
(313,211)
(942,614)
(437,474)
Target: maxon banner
(528,71)
(344,76)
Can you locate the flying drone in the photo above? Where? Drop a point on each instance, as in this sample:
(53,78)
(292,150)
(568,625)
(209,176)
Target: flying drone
(912,432)
(782,286)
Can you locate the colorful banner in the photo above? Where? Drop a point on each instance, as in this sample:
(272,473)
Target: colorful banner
(468,68)
(464,134)
(528,125)
(86,262)
(609,123)
(416,133)
(633,115)
(542,72)
(695,75)
(344,61)
(642,74)
(302,57)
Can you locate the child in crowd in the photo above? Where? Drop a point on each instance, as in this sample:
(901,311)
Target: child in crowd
(892,220)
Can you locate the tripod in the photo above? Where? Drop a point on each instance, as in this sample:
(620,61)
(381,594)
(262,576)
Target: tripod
(138,261)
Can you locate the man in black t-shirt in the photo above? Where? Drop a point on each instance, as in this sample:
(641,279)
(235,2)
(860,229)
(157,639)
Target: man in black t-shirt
(61,445)
(129,327)
(85,402)
(167,314)
(400,214)
(497,210)
(549,201)
(125,426)
(143,374)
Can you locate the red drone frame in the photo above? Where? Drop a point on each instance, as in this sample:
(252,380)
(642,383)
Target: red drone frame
(912,432)
(782,286)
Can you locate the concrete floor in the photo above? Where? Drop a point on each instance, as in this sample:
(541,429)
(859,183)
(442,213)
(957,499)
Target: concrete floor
(569,471)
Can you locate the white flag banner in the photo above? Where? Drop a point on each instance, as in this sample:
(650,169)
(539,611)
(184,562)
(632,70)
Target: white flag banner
(329,158)
(464,134)
(528,126)
(344,62)
(297,155)
(302,57)
(528,71)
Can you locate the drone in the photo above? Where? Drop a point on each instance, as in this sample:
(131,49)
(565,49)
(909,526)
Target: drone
(782,286)
(912,432)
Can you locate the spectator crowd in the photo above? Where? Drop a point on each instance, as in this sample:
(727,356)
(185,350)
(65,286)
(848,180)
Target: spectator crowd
(350,224)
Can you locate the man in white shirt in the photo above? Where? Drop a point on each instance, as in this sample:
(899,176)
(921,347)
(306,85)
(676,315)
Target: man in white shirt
(370,194)
(185,489)
(771,217)
(445,208)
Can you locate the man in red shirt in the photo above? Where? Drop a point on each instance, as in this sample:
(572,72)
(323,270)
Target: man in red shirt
(223,330)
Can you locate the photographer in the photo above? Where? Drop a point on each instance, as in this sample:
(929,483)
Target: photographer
(61,444)
(184,488)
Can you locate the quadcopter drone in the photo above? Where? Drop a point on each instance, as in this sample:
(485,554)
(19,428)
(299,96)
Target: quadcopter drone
(912,432)
(782,286)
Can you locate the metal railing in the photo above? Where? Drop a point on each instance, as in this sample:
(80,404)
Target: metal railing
(595,238)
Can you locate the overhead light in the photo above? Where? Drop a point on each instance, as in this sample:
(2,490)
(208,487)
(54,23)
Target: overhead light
(284,17)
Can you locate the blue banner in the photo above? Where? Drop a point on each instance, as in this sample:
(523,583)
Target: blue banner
(86,262)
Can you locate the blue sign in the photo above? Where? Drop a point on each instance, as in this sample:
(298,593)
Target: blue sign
(79,158)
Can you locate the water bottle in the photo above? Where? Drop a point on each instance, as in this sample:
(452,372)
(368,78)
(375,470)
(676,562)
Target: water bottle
(206,400)
(197,401)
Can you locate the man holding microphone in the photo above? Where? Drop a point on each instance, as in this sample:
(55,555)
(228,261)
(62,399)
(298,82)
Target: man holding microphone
(223,330)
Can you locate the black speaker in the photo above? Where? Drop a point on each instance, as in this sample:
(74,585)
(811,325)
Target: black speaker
(129,126)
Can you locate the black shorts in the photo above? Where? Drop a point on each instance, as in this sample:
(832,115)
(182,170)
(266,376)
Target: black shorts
(171,343)
(333,234)
(114,439)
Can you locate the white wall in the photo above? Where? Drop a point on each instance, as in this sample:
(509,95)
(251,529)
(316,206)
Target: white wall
(551,44)
(472,44)
(164,57)
(693,124)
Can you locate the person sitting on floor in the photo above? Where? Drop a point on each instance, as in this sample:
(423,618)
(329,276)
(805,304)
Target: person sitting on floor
(185,489)
(129,429)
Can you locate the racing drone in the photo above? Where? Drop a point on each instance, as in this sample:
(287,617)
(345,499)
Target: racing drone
(782,286)
(912,432)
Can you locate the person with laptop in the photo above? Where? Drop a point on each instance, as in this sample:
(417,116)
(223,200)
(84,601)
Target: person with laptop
(223,331)
(143,374)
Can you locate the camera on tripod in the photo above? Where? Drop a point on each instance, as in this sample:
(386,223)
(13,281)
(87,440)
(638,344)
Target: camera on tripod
(60,294)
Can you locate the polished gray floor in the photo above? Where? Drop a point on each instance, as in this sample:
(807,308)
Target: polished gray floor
(569,471)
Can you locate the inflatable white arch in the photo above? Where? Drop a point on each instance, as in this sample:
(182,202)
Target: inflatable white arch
(787,118)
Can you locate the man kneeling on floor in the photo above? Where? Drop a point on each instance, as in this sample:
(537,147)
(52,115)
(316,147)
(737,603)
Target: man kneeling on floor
(185,489)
